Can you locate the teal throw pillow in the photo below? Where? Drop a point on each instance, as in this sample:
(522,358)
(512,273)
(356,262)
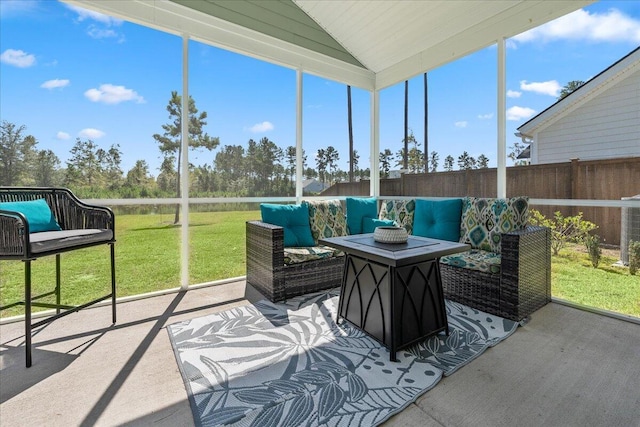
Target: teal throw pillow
(438,219)
(37,213)
(295,221)
(369,224)
(359,208)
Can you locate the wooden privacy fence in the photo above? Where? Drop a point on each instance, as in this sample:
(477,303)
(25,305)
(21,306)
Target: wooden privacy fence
(610,179)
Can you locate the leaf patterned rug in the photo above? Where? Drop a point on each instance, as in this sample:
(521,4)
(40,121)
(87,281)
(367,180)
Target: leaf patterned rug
(290,364)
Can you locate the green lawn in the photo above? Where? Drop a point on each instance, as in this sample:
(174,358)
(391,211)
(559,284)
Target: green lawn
(573,278)
(148,259)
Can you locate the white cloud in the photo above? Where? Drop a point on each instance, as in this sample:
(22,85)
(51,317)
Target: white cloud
(261,127)
(518,113)
(100,33)
(513,94)
(101,26)
(111,94)
(16,7)
(91,133)
(55,83)
(485,116)
(552,87)
(95,16)
(62,135)
(17,58)
(609,26)
(461,124)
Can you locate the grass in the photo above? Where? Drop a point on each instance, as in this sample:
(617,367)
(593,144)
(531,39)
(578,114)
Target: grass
(148,259)
(609,287)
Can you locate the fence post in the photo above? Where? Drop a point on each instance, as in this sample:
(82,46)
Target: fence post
(575,182)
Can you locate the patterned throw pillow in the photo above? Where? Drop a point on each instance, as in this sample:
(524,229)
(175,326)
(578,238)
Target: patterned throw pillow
(327,219)
(484,220)
(400,211)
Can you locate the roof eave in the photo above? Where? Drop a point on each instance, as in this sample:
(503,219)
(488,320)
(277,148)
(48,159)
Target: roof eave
(583,94)
(519,18)
(180,20)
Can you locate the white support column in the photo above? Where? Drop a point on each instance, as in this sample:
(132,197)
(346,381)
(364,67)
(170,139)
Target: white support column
(299,169)
(184,166)
(374,146)
(502,120)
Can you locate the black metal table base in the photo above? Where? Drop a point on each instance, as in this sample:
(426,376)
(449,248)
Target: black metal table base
(398,306)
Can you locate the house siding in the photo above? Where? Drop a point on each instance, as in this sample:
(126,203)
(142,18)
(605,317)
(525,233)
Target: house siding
(605,127)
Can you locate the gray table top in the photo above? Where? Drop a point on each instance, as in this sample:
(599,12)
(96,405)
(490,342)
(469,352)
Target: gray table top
(415,249)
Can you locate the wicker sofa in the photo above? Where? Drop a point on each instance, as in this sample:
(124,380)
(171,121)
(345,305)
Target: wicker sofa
(507,272)
(280,273)
(513,283)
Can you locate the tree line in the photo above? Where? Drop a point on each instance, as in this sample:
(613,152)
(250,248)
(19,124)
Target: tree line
(262,168)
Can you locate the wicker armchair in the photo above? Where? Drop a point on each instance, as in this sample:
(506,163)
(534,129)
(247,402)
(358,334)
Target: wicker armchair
(267,272)
(524,282)
(82,226)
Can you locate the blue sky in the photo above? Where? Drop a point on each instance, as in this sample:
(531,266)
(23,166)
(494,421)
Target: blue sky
(66,73)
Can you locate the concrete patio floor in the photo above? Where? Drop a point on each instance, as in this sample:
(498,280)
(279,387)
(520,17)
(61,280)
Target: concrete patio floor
(566,367)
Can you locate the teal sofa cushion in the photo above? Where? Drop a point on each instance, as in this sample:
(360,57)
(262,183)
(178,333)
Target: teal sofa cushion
(37,213)
(293,218)
(369,224)
(359,208)
(438,219)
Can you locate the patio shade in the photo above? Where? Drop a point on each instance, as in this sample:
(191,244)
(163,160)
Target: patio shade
(367,44)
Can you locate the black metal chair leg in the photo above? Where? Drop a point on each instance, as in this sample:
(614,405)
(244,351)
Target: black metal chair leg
(113,283)
(27,311)
(58,283)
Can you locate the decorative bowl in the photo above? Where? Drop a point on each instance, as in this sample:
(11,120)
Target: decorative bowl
(390,234)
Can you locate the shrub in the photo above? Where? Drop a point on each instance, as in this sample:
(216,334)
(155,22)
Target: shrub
(563,229)
(634,256)
(593,247)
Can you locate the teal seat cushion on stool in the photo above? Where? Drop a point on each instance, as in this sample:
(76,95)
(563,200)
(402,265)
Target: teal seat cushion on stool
(359,208)
(37,213)
(294,219)
(438,219)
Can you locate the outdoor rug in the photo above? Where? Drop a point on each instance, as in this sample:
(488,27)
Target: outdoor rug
(290,364)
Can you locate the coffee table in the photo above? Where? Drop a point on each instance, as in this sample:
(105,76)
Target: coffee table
(393,291)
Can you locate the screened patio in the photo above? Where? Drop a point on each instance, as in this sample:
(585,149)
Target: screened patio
(565,367)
